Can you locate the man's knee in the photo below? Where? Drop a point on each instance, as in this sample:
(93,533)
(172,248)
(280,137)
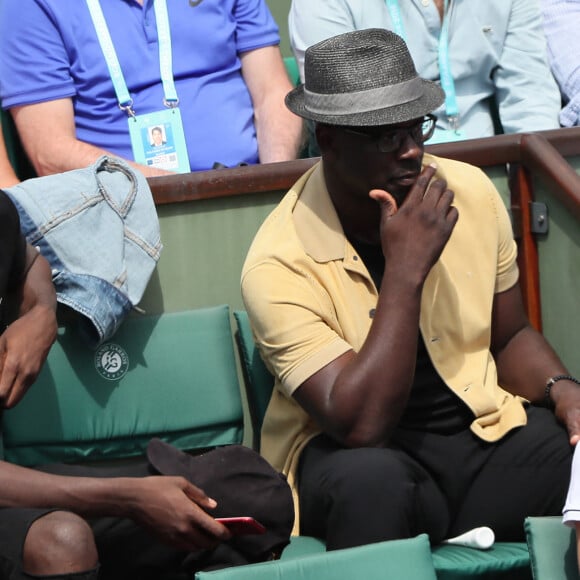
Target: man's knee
(373,495)
(59,543)
(362,474)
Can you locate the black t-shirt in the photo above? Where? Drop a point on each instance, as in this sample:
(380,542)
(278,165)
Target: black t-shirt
(432,405)
(12,251)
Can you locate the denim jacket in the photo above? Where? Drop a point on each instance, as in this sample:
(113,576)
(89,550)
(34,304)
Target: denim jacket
(98,229)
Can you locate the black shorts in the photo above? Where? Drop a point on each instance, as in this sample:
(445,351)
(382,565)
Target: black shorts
(14,525)
(126,551)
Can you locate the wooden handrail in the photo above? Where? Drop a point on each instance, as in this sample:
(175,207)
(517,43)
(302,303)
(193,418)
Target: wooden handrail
(228,182)
(532,150)
(521,195)
(497,150)
(526,154)
(541,157)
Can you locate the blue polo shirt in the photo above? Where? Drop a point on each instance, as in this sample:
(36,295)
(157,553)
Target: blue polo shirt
(49,50)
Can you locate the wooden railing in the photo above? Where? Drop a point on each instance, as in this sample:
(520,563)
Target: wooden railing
(526,155)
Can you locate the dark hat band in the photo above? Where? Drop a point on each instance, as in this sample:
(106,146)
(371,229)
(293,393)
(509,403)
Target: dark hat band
(363,101)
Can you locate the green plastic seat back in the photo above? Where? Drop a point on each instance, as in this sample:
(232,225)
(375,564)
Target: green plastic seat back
(292,70)
(173,376)
(258,381)
(301,546)
(552,549)
(503,561)
(397,559)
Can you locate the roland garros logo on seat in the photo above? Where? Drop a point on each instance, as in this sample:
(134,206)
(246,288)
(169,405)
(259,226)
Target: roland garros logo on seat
(111,361)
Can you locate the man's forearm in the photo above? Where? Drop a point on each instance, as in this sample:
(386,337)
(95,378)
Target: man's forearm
(526,363)
(280,133)
(86,496)
(169,507)
(48,133)
(381,375)
(37,287)
(359,397)
(75,154)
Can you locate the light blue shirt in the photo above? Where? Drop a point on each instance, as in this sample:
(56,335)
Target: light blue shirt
(561,20)
(497,50)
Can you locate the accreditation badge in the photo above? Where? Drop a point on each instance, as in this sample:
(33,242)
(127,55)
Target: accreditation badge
(158,140)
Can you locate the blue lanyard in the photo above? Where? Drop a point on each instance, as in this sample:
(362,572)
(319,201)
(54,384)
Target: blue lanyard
(110,54)
(395,12)
(165,56)
(447,82)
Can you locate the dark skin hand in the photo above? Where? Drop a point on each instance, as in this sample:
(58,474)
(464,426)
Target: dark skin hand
(187,526)
(566,397)
(24,345)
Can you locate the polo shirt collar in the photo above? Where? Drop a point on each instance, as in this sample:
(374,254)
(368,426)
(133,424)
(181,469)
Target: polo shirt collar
(316,221)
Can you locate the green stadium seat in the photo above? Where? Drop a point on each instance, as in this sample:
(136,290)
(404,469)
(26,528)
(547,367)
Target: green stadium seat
(503,561)
(398,559)
(292,69)
(171,376)
(258,380)
(552,549)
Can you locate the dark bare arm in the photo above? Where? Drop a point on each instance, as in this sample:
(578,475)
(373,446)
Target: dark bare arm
(359,397)
(525,360)
(24,345)
(170,507)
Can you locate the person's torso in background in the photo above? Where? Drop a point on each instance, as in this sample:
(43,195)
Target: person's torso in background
(207,38)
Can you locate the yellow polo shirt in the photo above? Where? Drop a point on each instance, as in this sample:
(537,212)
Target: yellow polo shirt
(310,298)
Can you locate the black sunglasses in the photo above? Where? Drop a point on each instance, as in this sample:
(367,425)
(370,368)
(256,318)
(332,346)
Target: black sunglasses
(391,140)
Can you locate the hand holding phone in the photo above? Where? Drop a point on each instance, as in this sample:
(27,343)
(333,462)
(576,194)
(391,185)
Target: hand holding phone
(242,525)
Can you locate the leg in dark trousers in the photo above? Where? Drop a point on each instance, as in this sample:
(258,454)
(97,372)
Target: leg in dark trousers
(358,496)
(526,475)
(441,484)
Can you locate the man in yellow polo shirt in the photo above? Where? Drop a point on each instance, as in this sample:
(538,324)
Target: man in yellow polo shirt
(383,294)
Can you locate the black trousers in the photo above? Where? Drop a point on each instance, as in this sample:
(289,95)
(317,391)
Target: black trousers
(439,484)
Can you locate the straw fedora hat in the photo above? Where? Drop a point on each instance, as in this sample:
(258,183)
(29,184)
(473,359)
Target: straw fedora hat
(363,78)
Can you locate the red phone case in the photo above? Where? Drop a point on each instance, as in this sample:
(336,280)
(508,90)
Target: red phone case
(242,525)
